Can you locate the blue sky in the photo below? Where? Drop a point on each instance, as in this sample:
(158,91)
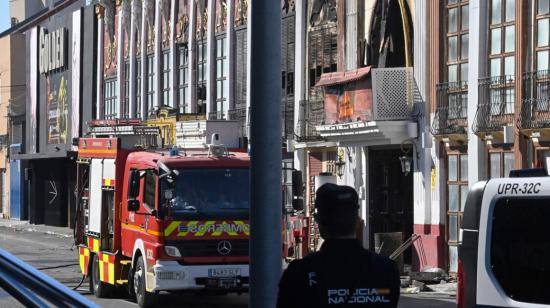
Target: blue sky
(4,15)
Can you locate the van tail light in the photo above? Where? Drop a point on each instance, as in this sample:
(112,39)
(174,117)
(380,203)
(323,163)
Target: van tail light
(461,286)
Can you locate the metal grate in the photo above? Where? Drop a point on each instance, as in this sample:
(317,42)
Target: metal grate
(452,109)
(216,115)
(393,93)
(209,248)
(314,115)
(535,108)
(124,130)
(495,107)
(287,119)
(239,115)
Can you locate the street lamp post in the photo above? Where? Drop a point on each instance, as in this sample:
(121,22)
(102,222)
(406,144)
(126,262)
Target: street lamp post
(266,153)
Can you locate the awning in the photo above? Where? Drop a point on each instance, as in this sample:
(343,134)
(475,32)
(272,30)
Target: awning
(332,79)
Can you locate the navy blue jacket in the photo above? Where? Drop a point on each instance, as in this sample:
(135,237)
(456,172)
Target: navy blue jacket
(341,274)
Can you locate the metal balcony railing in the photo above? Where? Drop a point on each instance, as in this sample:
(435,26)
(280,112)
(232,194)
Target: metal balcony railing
(287,121)
(452,109)
(495,107)
(535,107)
(240,115)
(314,114)
(216,115)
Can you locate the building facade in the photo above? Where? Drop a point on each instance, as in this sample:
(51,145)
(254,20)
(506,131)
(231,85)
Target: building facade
(59,60)
(390,97)
(362,117)
(12,109)
(12,96)
(488,96)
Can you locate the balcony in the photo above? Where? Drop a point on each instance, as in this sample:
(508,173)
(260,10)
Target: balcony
(314,115)
(452,109)
(216,115)
(372,107)
(535,108)
(240,115)
(495,107)
(287,121)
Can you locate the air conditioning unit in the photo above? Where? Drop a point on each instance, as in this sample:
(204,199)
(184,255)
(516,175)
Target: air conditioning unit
(16,149)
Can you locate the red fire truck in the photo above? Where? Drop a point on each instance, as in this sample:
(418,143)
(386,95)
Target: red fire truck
(160,220)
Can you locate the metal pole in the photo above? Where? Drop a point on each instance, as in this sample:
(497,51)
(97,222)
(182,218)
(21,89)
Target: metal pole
(266,142)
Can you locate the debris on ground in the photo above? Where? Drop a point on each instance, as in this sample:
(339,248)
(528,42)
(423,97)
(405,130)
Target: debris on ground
(419,285)
(430,275)
(405,281)
(411,290)
(444,288)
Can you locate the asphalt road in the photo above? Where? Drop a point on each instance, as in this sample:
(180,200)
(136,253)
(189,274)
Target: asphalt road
(55,256)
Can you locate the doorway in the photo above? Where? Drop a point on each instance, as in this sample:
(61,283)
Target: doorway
(390,197)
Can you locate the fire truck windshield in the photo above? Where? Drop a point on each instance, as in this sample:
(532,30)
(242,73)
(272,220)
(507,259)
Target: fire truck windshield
(207,193)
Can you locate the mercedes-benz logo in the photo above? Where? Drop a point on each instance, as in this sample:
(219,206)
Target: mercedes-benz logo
(224,247)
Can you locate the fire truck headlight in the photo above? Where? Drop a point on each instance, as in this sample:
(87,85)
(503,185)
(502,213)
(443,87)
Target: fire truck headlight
(172,251)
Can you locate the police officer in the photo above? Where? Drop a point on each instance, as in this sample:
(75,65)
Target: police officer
(342,273)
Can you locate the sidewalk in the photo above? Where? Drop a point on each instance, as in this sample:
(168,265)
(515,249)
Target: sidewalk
(23,225)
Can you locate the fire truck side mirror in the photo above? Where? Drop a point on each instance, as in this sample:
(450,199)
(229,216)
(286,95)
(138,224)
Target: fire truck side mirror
(133,205)
(297,185)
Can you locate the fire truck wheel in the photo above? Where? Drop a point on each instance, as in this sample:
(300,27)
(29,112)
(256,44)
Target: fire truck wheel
(99,288)
(143,298)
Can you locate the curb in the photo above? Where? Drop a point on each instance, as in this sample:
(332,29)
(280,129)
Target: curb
(25,226)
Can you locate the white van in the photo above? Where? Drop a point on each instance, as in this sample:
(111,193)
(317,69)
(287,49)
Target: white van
(504,257)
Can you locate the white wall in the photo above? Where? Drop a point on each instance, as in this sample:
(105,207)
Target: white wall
(477,57)
(423,164)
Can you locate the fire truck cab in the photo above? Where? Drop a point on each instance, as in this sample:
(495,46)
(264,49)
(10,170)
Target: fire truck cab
(161,220)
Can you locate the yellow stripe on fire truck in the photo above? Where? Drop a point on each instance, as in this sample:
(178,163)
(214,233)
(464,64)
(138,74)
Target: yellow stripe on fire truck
(210,228)
(93,244)
(108,183)
(106,268)
(84,259)
(171,227)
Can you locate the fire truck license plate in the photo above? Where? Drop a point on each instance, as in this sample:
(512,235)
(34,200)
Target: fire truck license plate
(224,272)
(228,283)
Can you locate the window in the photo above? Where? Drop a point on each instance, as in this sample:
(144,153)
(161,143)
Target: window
(183,79)
(110,108)
(457,191)
(457,40)
(288,34)
(502,38)
(201,76)
(126,104)
(287,55)
(542,23)
(138,88)
(323,53)
(150,84)
(166,98)
(500,164)
(240,68)
(519,250)
(149,189)
(222,104)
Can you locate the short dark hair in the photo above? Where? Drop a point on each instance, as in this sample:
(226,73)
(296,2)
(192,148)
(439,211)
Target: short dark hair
(337,207)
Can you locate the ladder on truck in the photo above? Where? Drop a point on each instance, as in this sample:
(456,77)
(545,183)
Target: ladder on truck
(142,136)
